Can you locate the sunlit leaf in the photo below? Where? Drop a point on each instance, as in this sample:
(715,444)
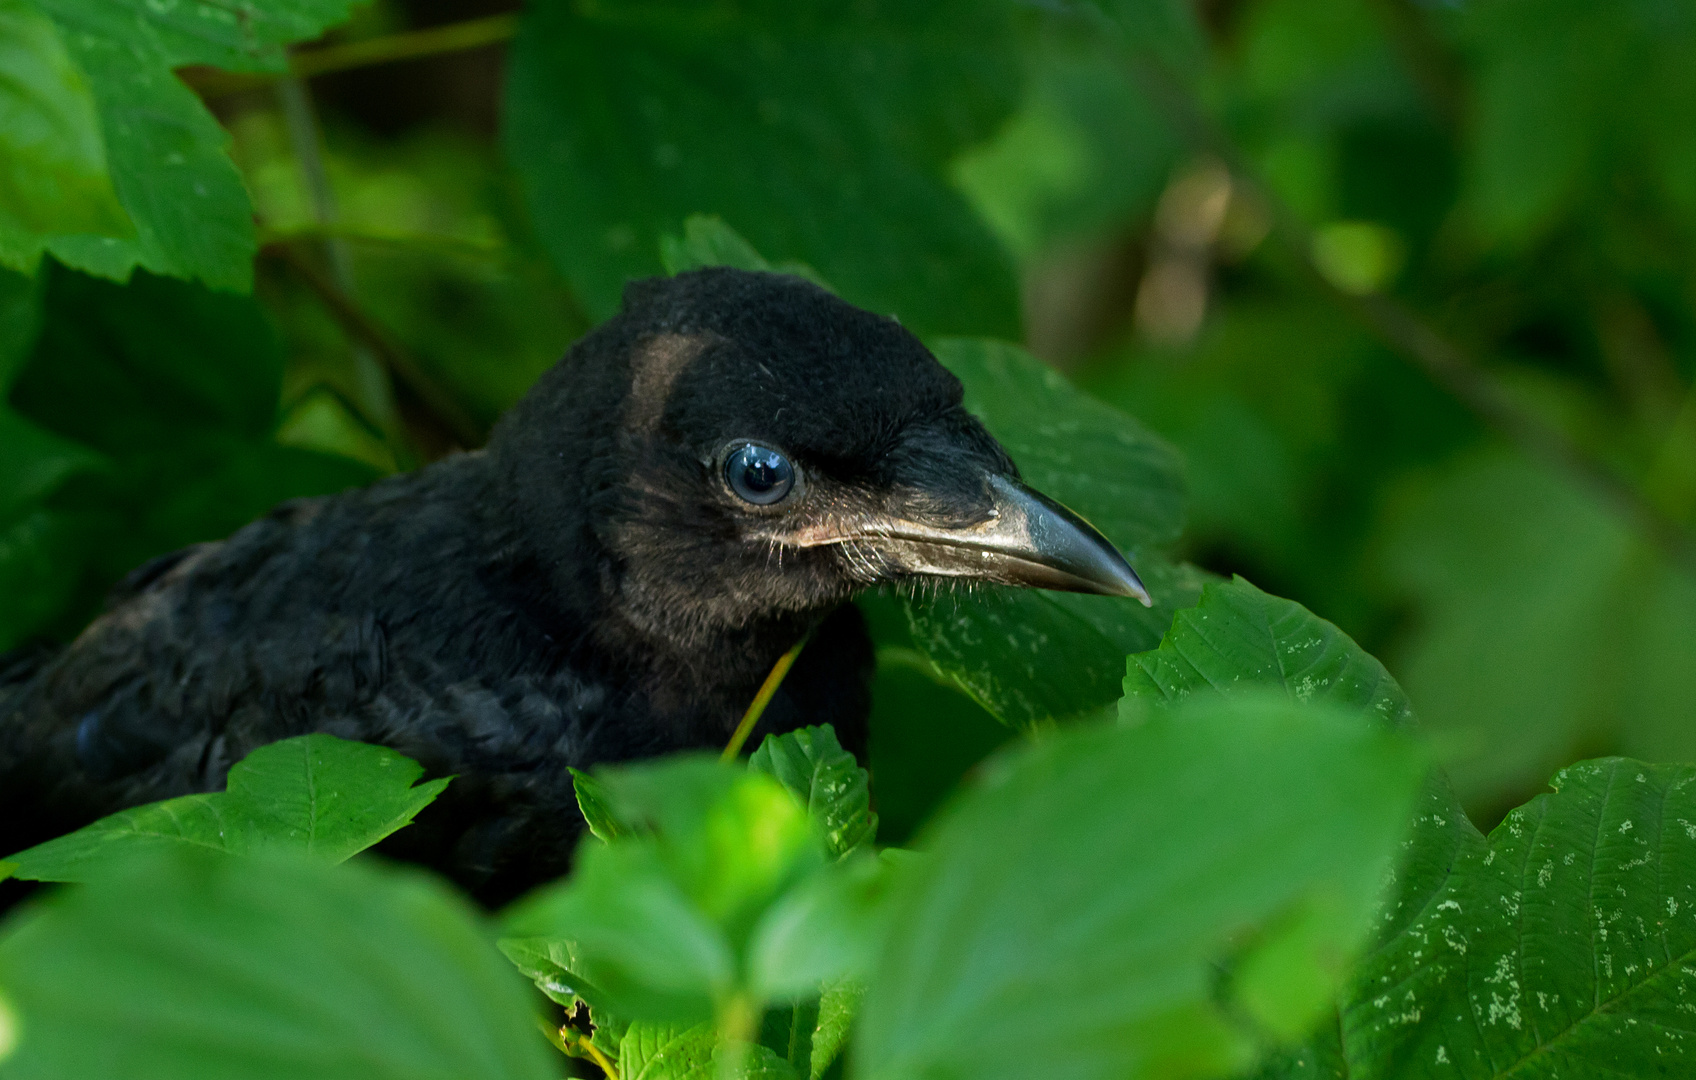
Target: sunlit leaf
(1091,885)
(316,794)
(827,780)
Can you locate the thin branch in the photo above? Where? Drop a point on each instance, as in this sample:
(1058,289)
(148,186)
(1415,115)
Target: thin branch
(443,411)
(410,45)
(1410,335)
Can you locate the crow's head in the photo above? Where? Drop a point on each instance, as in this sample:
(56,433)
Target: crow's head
(735,446)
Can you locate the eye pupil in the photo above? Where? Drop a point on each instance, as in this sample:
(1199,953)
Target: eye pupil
(759,474)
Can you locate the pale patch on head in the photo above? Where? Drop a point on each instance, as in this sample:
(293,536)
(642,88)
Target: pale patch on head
(655,365)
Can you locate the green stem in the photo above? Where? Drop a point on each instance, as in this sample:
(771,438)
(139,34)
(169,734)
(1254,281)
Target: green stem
(738,1026)
(757,707)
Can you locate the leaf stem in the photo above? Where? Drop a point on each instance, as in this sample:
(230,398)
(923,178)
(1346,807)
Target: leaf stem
(757,707)
(410,45)
(580,1045)
(439,407)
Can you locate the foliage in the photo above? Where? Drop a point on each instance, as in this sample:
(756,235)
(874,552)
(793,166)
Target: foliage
(317,794)
(220,290)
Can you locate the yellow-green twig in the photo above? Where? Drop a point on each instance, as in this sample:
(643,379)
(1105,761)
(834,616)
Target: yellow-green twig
(757,707)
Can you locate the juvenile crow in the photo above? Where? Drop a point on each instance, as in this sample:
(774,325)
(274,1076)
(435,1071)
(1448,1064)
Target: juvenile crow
(702,480)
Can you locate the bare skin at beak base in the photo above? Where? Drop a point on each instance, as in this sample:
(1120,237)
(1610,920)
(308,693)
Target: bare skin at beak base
(1028,539)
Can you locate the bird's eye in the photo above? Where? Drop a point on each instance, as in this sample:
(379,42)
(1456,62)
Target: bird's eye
(759,474)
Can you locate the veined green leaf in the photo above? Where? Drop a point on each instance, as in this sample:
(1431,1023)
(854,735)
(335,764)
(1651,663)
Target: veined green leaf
(1564,946)
(53,176)
(1239,638)
(180,206)
(812,765)
(316,794)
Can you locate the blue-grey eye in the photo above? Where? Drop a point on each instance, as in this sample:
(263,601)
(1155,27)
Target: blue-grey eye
(759,474)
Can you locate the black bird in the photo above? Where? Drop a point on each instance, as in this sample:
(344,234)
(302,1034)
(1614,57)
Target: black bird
(705,478)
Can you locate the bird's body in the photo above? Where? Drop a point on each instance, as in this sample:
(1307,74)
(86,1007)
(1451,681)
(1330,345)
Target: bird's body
(601,583)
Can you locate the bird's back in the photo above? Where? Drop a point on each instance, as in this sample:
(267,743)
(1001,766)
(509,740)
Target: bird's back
(400,614)
(373,615)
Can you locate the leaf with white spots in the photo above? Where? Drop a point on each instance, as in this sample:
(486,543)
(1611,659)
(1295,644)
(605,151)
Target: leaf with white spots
(1241,638)
(137,164)
(1564,946)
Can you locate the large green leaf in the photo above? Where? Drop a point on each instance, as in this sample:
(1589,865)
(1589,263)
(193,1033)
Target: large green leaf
(1241,638)
(661,919)
(172,390)
(1090,887)
(317,794)
(821,132)
(1032,657)
(1562,947)
(827,780)
(53,174)
(185,966)
(187,212)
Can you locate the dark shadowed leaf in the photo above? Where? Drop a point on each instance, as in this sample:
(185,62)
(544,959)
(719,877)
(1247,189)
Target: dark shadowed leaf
(1090,887)
(1031,657)
(820,132)
(185,966)
(316,794)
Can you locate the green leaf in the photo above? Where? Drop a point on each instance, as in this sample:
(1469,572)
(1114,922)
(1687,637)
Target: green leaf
(837,1008)
(1241,638)
(39,572)
(592,802)
(1544,628)
(176,388)
(826,929)
(660,1051)
(1562,947)
(1570,95)
(820,132)
(316,794)
(1090,887)
(656,1051)
(828,781)
(186,966)
(34,462)
(53,174)
(661,920)
(1032,657)
(187,212)
(708,241)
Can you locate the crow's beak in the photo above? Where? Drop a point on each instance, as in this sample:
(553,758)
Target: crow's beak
(1027,539)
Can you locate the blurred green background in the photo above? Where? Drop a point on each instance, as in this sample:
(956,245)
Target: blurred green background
(1410,283)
